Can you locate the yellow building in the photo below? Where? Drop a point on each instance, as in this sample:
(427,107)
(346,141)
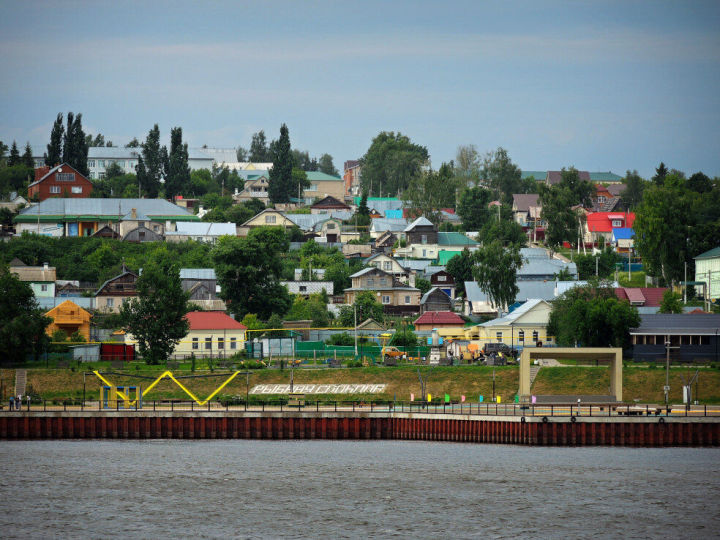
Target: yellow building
(70,318)
(526,326)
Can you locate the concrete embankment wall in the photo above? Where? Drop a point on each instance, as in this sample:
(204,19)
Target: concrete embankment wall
(556,431)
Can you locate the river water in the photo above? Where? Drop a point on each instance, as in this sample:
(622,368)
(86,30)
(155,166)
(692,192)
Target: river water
(343,489)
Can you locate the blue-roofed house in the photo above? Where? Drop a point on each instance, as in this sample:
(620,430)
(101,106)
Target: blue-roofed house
(623,239)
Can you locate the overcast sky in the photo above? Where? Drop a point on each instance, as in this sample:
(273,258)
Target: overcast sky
(599,85)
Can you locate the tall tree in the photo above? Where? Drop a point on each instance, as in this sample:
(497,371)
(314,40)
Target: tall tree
(502,175)
(460,267)
(495,271)
(473,207)
(299,183)
(367,307)
(54,149)
(634,188)
(75,147)
(281,180)
(14,155)
(259,152)
(430,191)
(467,164)
(249,270)
(22,323)
(671,302)
(151,172)
(390,163)
(241,154)
(700,183)
(3,150)
(178,177)
(27,158)
(134,143)
(325,164)
(660,173)
(156,318)
(560,204)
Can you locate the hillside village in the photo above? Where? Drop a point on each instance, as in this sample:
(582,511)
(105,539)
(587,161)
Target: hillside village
(262,246)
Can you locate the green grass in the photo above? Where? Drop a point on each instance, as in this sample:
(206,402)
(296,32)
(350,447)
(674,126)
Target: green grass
(638,279)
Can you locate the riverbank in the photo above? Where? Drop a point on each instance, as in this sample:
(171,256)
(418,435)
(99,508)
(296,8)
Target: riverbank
(639,383)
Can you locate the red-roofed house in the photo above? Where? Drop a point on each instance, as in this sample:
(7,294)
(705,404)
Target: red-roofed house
(60,181)
(438,319)
(649,297)
(601,224)
(212,333)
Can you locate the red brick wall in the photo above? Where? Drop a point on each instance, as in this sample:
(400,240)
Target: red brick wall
(45,189)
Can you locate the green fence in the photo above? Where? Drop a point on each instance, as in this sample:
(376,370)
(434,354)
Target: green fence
(320,350)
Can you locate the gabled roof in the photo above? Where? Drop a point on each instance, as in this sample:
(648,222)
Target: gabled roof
(523,201)
(678,323)
(513,316)
(454,239)
(713,253)
(623,233)
(616,189)
(555,177)
(212,320)
(370,324)
(641,296)
(330,202)
(602,221)
(69,304)
(110,209)
(124,272)
(430,292)
(54,169)
(440,318)
(17,262)
(386,224)
(372,269)
(422,221)
(318,176)
(197,273)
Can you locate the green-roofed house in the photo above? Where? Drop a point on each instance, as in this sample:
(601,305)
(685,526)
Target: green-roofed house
(707,270)
(323,185)
(605,178)
(428,243)
(84,217)
(537,175)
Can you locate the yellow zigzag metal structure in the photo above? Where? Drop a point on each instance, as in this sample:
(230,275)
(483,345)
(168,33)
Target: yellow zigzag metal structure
(169,375)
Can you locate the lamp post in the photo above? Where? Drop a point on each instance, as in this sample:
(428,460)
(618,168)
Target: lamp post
(666,388)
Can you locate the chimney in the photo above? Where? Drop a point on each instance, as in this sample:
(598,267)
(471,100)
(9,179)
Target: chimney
(133,213)
(41,171)
(46,266)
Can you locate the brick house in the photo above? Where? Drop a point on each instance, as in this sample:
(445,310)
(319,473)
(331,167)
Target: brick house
(59,181)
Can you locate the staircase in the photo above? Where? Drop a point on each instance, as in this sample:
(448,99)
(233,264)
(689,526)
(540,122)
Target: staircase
(533,373)
(20,382)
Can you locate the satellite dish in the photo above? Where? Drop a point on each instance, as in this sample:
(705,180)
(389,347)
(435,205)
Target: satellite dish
(59,169)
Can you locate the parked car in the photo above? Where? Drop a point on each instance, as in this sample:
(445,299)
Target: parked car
(392,352)
(497,348)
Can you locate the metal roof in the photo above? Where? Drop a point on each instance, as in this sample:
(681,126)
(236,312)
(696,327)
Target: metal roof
(511,317)
(422,221)
(204,229)
(683,323)
(385,224)
(538,175)
(454,239)
(715,252)
(197,273)
(317,176)
(106,207)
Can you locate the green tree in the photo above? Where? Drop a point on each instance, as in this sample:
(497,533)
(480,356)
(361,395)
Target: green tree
(75,147)
(281,174)
(502,175)
(560,205)
(460,267)
(3,150)
(150,165)
(367,308)
(390,163)
(156,318)
(404,337)
(634,188)
(251,321)
(467,164)
(586,264)
(134,143)
(242,154)
(249,271)
(22,324)
(700,183)
(299,183)
(473,207)
(423,284)
(27,158)
(15,178)
(259,151)
(495,271)
(14,156)
(671,302)
(430,191)
(592,316)
(325,164)
(660,173)
(504,230)
(178,178)
(54,149)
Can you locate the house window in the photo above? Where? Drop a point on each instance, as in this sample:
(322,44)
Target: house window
(386,299)
(221,343)
(195,344)
(43,288)
(65,177)
(370,282)
(387,265)
(121,163)
(617,223)
(423,239)
(442,278)
(498,336)
(424,253)
(407,299)
(91,163)
(141,234)
(101,163)
(521,336)
(303,288)
(270,219)
(233,343)
(208,343)
(77,189)
(535,335)
(54,189)
(101,176)
(330,225)
(383,282)
(110,302)
(601,199)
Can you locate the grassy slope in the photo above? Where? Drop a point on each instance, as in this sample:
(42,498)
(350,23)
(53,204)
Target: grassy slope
(638,383)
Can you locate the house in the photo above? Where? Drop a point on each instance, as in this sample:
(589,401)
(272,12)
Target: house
(201,284)
(212,334)
(329,229)
(693,337)
(603,200)
(450,243)
(370,326)
(107,231)
(436,300)
(385,241)
(115,291)
(421,231)
(537,265)
(438,319)
(391,266)
(599,225)
(40,278)
(351,176)
(84,217)
(444,281)
(396,297)
(137,227)
(379,226)
(623,240)
(267,218)
(14,202)
(256,187)
(477,302)
(306,288)
(70,318)
(646,299)
(526,209)
(526,326)
(707,270)
(200,232)
(59,181)
(555,177)
(322,185)
(323,206)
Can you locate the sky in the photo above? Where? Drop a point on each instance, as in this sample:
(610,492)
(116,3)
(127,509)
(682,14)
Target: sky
(599,85)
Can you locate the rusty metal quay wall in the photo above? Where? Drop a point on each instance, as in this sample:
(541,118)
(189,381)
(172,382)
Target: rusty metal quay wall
(555,431)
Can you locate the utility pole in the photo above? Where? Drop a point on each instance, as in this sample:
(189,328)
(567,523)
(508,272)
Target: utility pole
(685,286)
(666,388)
(355,313)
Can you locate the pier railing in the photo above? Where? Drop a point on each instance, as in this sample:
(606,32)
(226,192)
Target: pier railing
(572,410)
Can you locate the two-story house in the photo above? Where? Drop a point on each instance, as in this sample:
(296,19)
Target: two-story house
(40,278)
(59,181)
(396,297)
(115,291)
(390,265)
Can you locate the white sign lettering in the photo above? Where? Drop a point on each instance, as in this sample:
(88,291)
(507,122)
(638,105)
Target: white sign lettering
(319,388)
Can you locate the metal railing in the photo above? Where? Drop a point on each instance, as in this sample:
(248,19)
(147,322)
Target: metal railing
(571,410)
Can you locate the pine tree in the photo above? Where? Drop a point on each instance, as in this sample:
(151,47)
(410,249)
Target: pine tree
(178,177)
(14,155)
(27,157)
(142,175)
(54,149)
(280,181)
